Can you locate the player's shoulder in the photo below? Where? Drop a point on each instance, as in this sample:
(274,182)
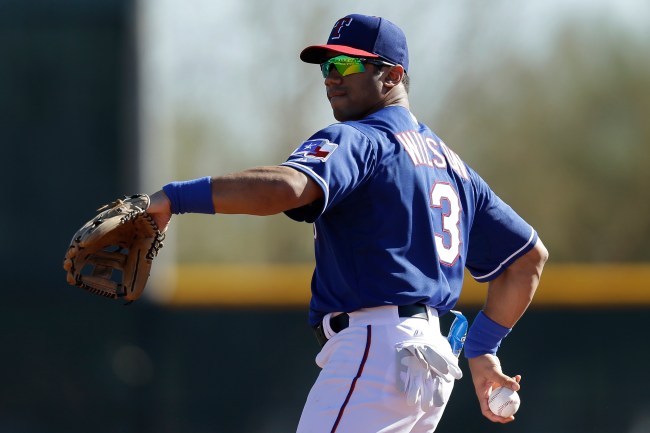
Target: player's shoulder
(349,131)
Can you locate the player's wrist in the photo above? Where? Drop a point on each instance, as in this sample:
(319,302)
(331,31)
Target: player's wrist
(190,196)
(484,336)
(159,203)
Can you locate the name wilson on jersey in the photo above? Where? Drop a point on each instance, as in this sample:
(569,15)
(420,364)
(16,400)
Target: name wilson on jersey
(426,151)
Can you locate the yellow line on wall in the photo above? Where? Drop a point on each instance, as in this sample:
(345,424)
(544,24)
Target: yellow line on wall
(287,285)
(242,285)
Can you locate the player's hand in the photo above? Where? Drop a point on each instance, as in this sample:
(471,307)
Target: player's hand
(160,210)
(487,375)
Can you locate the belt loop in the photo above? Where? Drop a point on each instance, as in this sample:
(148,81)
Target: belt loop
(327,326)
(320,335)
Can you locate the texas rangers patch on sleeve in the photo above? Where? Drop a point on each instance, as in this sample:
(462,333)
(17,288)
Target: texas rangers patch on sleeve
(317,149)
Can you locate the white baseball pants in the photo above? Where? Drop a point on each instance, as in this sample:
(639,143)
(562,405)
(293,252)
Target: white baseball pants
(357,389)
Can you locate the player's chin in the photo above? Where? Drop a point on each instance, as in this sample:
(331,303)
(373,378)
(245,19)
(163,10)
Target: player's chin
(340,107)
(339,115)
(343,114)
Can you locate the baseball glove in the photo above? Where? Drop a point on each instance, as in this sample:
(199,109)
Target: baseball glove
(111,255)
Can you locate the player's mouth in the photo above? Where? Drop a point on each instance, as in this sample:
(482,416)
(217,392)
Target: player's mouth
(333,94)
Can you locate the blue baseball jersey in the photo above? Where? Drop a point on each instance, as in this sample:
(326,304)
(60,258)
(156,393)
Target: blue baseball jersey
(401,218)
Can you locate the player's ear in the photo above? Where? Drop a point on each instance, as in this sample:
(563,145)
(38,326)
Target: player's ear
(393,75)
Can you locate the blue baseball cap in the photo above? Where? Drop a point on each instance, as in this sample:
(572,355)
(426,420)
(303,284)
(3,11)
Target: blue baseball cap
(362,36)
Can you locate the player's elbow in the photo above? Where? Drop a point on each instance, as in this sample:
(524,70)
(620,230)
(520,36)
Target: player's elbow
(539,256)
(286,189)
(528,268)
(299,190)
(532,263)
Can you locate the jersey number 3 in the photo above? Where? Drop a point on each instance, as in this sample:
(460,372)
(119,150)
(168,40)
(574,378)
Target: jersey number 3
(448,242)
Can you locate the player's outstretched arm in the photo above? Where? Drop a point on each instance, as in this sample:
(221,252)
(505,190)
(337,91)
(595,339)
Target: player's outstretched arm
(508,298)
(257,191)
(263,191)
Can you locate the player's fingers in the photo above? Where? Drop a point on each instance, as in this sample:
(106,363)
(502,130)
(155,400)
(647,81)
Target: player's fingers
(496,418)
(162,221)
(512,383)
(485,410)
(497,379)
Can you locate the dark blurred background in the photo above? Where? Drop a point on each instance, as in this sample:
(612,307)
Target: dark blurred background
(71,133)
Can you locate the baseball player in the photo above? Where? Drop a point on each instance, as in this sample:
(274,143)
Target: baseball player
(397,217)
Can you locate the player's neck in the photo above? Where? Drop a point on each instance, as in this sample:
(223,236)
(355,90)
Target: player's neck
(396,98)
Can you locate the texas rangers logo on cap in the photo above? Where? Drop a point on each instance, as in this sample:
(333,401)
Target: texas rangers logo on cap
(362,36)
(317,149)
(338,27)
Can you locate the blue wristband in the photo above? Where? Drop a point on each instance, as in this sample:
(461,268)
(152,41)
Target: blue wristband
(191,196)
(484,336)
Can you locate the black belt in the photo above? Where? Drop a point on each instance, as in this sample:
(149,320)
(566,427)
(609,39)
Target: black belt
(342,321)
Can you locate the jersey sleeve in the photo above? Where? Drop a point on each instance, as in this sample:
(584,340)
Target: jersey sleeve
(338,158)
(498,236)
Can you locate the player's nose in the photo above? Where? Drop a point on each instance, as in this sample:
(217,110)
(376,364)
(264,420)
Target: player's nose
(333,76)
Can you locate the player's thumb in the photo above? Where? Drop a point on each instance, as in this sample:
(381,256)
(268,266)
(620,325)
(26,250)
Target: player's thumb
(510,382)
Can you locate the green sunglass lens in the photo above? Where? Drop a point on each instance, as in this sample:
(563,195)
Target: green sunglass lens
(349,68)
(344,65)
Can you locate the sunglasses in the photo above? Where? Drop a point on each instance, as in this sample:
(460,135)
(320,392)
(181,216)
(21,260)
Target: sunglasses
(349,65)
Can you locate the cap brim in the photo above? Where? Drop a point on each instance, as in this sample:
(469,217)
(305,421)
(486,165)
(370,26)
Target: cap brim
(318,53)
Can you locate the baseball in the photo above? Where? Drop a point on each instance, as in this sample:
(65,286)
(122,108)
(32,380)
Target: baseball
(504,402)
